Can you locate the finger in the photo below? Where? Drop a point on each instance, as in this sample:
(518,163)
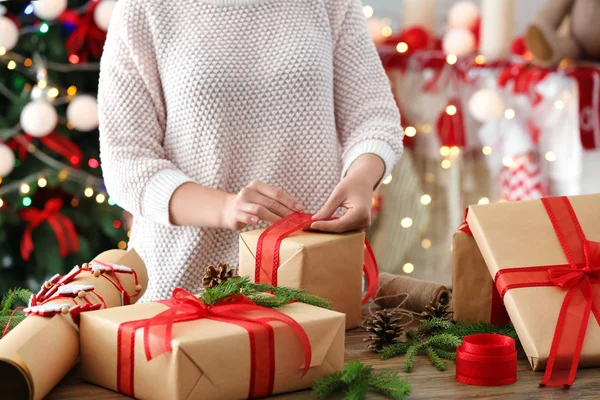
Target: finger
(270,204)
(329,207)
(277,194)
(259,211)
(245,218)
(352,220)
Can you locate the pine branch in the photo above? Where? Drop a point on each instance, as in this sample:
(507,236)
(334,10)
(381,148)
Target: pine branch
(16,320)
(357,390)
(411,355)
(355,370)
(463,329)
(434,325)
(445,354)
(395,350)
(328,385)
(14,296)
(389,384)
(445,341)
(435,359)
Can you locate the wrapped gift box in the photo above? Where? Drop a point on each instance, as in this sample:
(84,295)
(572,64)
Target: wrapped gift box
(323,264)
(209,359)
(525,256)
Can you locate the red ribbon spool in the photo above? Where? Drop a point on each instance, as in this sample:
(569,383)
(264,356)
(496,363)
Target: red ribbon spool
(487,360)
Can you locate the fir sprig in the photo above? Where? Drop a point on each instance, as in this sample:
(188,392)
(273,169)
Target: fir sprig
(438,339)
(357,379)
(258,293)
(12,299)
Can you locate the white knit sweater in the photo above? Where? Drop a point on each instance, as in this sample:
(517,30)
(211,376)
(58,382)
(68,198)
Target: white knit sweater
(221,92)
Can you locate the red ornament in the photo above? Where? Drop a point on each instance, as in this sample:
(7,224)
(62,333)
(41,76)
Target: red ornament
(450,125)
(415,37)
(519,46)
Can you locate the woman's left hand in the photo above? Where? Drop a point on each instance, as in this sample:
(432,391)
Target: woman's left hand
(354,193)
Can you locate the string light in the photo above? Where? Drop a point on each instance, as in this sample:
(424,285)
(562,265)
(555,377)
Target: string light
(93,163)
(425,199)
(63,175)
(429,177)
(1,203)
(128,233)
(451,59)
(386,31)
(388,180)
(446,164)
(88,192)
(42,182)
(484,200)
(29,9)
(480,59)
(70,126)
(122,245)
(74,59)
(42,84)
(408,268)
(402,47)
(406,222)
(100,198)
(116,224)
(53,92)
(410,131)
(451,110)
(445,151)
(426,243)
(455,151)
(507,161)
(24,188)
(0,179)
(368,11)
(11,65)
(2,51)
(550,156)
(509,114)
(44,27)
(26,201)
(74,202)
(559,105)
(487,150)
(72,91)
(111,202)
(425,128)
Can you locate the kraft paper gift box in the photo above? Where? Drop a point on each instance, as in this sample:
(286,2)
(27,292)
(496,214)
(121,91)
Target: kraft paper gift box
(521,247)
(323,264)
(209,359)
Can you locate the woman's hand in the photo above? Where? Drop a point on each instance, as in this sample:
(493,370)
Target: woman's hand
(354,193)
(258,201)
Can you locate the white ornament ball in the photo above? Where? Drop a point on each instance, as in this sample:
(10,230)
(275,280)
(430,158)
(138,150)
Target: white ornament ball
(39,118)
(7,160)
(49,9)
(458,41)
(463,14)
(486,105)
(103,13)
(9,33)
(82,113)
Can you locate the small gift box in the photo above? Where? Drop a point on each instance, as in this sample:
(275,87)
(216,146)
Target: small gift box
(544,257)
(322,264)
(184,349)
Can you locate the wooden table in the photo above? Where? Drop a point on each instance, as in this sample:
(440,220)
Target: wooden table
(427,381)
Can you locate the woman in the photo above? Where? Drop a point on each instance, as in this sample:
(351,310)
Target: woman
(218,114)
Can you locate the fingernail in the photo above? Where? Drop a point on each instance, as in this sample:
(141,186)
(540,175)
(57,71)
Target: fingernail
(254,220)
(299,207)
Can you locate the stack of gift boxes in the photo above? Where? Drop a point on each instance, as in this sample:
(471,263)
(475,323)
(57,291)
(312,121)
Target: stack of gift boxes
(181,348)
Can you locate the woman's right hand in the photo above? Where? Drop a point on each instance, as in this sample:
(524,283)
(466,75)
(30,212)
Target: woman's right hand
(258,202)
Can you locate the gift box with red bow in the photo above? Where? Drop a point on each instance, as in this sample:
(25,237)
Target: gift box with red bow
(544,258)
(182,348)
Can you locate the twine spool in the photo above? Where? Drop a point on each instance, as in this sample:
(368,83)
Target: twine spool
(419,293)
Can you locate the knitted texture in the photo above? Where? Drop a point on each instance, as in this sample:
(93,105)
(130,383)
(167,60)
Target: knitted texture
(221,92)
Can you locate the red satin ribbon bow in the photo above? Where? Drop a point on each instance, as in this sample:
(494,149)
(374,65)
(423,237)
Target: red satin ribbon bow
(580,278)
(486,360)
(269,243)
(237,310)
(62,226)
(60,144)
(87,39)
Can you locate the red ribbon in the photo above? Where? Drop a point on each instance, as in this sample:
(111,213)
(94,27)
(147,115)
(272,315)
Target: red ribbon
(580,278)
(486,360)
(87,39)
(237,310)
(60,144)
(62,226)
(269,243)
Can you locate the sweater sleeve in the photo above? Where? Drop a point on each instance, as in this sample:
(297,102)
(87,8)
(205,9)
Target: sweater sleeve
(367,117)
(137,173)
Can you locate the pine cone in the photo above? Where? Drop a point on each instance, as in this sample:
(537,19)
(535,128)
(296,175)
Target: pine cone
(214,276)
(385,330)
(438,310)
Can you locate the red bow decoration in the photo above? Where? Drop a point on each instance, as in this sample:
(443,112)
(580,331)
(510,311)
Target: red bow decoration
(269,242)
(63,228)
(60,144)
(238,310)
(580,277)
(87,39)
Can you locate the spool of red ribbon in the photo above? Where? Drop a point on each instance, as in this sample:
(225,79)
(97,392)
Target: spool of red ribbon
(487,360)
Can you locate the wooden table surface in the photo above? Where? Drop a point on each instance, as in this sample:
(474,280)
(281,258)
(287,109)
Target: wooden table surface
(427,381)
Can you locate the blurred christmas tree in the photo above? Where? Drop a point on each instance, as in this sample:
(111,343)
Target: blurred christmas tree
(54,210)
